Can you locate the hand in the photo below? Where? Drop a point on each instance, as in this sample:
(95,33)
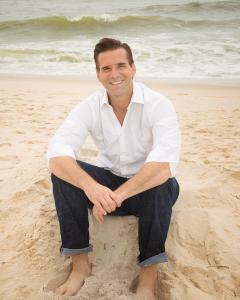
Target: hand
(118,198)
(97,214)
(102,197)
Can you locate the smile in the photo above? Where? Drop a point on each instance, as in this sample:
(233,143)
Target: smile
(116,82)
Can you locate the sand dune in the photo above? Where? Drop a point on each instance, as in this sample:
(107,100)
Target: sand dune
(204,240)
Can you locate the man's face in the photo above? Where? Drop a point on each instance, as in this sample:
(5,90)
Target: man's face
(115,72)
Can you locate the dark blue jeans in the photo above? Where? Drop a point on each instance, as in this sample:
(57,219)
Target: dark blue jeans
(153,208)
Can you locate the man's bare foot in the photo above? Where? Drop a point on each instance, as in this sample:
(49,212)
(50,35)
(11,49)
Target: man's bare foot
(146,284)
(80,271)
(145,294)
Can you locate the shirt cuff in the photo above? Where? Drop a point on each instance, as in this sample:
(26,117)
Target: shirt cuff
(58,149)
(171,159)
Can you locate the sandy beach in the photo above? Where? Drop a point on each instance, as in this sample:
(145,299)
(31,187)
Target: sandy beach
(203,244)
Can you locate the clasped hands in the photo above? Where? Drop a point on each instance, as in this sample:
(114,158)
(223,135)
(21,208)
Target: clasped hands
(104,200)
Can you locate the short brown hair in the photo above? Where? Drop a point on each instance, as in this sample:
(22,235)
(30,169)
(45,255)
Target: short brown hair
(106,44)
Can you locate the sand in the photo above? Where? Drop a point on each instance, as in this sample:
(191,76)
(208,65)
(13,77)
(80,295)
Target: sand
(203,242)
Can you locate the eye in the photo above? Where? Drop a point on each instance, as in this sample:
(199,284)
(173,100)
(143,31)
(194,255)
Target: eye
(105,69)
(122,66)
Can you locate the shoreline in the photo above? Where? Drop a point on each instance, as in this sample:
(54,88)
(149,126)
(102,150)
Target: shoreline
(186,81)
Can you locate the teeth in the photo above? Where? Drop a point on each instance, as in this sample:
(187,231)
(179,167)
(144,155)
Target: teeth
(118,82)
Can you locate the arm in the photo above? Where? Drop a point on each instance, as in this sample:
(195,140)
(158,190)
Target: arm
(62,157)
(161,161)
(68,170)
(150,175)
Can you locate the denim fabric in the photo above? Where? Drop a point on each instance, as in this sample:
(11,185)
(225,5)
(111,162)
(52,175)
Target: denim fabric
(153,208)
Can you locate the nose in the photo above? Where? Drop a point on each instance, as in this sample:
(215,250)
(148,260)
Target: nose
(114,73)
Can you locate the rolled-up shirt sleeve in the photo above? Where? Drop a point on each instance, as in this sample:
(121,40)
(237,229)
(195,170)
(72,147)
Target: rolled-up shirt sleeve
(166,135)
(72,133)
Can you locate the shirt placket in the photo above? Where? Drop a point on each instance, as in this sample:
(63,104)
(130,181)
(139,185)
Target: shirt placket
(122,142)
(116,126)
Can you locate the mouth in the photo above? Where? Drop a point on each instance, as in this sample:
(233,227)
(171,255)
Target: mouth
(116,82)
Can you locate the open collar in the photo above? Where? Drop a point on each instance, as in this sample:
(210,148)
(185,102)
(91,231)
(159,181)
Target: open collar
(137,96)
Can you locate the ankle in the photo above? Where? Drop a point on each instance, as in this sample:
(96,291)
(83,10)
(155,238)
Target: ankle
(146,286)
(80,264)
(147,278)
(145,294)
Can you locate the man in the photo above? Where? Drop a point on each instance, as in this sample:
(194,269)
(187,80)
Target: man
(136,132)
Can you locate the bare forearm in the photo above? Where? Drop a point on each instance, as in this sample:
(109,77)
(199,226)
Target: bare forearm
(101,196)
(150,175)
(68,170)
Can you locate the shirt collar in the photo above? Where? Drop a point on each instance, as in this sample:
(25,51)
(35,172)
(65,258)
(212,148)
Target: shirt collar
(137,96)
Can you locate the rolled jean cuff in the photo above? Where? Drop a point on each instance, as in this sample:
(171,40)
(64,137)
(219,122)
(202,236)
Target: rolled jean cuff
(70,252)
(159,258)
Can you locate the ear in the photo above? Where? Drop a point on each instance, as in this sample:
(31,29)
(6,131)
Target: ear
(134,69)
(97,73)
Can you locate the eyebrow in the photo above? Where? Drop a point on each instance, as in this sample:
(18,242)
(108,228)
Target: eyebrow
(122,64)
(119,65)
(104,67)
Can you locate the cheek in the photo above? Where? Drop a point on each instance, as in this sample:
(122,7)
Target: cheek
(102,78)
(129,75)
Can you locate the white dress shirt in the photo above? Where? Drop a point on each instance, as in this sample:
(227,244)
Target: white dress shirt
(149,133)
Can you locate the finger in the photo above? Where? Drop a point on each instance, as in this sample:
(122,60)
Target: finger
(95,214)
(113,195)
(100,208)
(112,198)
(119,204)
(115,199)
(111,203)
(99,217)
(105,204)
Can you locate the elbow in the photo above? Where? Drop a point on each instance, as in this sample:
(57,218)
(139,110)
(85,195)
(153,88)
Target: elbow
(54,164)
(167,172)
(51,164)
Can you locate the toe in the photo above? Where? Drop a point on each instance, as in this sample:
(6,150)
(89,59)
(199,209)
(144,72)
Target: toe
(60,290)
(70,292)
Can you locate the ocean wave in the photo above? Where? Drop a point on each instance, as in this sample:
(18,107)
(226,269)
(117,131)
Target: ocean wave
(19,52)
(195,6)
(93,23)
(66,22)
(184,59)
(49,55)
(78,54)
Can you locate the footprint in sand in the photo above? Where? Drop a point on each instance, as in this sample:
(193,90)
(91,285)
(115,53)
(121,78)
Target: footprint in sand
(44,184)
(54,283)
(5,144)
(18,132)
(9,157)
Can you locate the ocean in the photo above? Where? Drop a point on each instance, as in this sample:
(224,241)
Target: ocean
(169,39)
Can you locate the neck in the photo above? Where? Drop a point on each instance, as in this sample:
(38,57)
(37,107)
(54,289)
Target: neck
(120,102)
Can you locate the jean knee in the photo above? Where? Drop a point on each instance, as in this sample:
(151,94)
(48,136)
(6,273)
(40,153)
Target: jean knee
(60,183)
(55,179)
(175,190)
(161,195)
